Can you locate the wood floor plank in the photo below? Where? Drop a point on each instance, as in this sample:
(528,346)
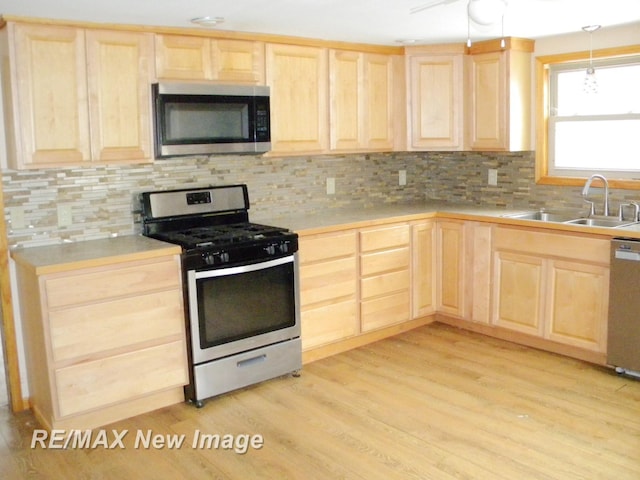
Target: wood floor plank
(433,403)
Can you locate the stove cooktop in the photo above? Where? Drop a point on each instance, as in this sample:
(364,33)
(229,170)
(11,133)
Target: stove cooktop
(222,235)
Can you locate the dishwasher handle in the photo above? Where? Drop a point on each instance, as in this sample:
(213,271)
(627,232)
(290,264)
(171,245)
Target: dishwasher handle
(627,255)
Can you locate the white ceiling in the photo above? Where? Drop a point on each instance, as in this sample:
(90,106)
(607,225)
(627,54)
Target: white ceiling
(365,21)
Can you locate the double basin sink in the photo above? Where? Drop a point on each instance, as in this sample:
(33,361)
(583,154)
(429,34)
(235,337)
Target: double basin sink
(571,219)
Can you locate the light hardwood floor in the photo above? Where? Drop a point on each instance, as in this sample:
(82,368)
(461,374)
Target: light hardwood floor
(433,403)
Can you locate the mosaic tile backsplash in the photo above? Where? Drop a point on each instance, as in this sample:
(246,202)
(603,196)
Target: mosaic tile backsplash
(103,200)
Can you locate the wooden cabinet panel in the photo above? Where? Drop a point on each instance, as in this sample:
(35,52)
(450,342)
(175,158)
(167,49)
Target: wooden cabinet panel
(451,269)
(238,61)
(322,247)
(90,329)
(329,323)
(519,288)
(51,125)
(478,282)
(378,78)
(103,382)
(120,98)
(377,238)
(328,288)
(380,262)
(577,305)
(347,102)
(299,88)
(489,100)
(499,84)
(423,268)
(95,285)
(385,284)
(436,106)
(327,280)
(183,57)
(384,311)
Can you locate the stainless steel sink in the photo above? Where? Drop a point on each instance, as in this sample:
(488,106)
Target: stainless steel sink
(601,222)
(571,218)
(544,216)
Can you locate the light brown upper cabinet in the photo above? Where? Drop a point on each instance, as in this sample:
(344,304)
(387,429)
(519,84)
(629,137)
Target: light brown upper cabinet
(78,95)
(181,57)
(499,95)
(436,100)
(298,79)
(361,101)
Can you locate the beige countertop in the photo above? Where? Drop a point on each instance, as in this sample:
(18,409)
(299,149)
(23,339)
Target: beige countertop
(358,217)
(70,256)
(91,253)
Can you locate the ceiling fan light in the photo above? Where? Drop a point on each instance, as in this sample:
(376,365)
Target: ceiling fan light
(486,12)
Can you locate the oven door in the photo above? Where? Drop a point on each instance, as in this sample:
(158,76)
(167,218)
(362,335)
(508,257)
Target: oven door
(237,309)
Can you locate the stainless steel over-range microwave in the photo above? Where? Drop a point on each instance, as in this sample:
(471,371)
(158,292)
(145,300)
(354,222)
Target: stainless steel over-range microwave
(199,118)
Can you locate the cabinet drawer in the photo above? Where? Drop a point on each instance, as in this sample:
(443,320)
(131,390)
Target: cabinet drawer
(89,329)
(385,284)
(327,280)
(375,263)
(103,382)
(99,284)
(329,323)
(327,246)
(589,249)
(384,311)
(384,237)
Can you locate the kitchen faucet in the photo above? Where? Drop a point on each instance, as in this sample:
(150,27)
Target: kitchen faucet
(585,192)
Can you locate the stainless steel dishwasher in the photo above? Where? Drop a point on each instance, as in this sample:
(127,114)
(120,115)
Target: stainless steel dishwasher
(623,343)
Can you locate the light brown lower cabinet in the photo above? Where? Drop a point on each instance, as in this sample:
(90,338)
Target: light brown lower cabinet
(104,343)
(552,285)
(548,287)
(328,288)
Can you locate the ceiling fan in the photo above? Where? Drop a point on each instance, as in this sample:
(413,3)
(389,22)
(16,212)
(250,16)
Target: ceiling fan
(482,12)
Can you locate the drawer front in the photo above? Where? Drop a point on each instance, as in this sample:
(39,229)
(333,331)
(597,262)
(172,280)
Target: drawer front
(89,329)
(384,311)
(384,237)
(329,323)
(99,284)
(327,280)
(385,284)
(327,246)
(96,384)
(376,263)
(589,249)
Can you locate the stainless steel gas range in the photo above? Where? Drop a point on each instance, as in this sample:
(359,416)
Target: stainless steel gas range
(241,287)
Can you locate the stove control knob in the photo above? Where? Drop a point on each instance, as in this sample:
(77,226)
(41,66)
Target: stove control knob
(284,247)
(270,249)
(209,258)
(224,257)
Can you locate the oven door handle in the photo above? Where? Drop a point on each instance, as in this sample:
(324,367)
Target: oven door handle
(221,272)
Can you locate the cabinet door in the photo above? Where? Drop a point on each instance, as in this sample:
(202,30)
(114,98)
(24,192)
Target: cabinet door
(378,85)
(183,57)
(237,61)
(478,282)
(50,95)
(436,102)
(451,251)
(489,102)
(423,265)
(578,307)
(519,288)
(346,93)
(120,97)
(299,86)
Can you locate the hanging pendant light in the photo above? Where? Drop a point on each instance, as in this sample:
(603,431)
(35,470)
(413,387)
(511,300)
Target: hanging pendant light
(485,13)
(590,84)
